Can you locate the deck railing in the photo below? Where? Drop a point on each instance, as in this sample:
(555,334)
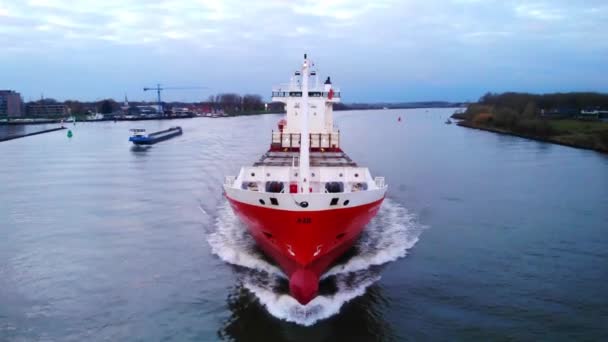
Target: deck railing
(299,94)
(317,140)
(298,87)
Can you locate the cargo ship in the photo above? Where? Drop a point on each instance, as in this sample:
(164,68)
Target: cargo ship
(305,201)
(139,136)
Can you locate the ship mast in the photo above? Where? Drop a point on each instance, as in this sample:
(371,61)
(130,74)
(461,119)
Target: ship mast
(304,135)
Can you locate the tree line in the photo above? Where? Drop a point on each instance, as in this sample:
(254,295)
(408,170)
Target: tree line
(519,101)
(235,103)
(522,112)
(231,103)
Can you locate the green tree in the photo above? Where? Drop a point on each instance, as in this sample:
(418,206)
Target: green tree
(530,111)
(76,107)
(475,109)
(253,103)
(107,106)
(505,117)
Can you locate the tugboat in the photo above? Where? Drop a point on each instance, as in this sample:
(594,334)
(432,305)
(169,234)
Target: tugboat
(305,202)
(139,136)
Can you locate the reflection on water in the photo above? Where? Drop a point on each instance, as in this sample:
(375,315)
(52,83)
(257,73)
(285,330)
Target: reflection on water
(140,149)
(359,320)
(12,130)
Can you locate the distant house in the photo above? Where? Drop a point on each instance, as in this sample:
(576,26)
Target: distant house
(148,109)
(46,110)
(96,116)
(200,109)
(182,112)
(11,104)
(589,113)
(563,112)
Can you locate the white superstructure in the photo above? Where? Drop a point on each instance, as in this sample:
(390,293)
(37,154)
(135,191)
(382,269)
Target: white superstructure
(315,169)
(319,98)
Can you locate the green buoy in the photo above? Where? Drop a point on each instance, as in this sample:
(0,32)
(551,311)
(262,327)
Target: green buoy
(69,133)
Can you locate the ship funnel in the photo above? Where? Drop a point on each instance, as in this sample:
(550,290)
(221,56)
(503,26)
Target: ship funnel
(327,84)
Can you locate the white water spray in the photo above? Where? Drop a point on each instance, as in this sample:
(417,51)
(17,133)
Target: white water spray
(386,238)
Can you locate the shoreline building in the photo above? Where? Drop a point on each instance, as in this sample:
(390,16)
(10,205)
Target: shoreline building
(46,110)
(11,104)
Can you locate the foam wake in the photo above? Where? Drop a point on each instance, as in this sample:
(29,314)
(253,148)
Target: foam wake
(230,241)
(386,238)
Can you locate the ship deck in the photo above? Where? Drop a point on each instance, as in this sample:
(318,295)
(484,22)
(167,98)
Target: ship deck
(276,158)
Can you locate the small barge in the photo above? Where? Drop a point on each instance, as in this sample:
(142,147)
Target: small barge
(139,136)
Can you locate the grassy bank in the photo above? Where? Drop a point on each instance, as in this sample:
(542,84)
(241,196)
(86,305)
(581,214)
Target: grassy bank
(573,134)
(528,123)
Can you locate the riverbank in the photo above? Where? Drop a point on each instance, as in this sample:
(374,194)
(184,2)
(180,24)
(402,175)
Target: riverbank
(569,119)
(567,133)
(58,121)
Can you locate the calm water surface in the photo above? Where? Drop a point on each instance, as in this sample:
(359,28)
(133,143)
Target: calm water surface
(507,238)
(15,130)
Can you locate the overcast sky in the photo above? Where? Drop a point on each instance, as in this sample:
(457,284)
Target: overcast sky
(378,50)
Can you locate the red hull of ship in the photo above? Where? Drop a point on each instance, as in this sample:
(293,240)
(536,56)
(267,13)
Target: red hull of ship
(305,243)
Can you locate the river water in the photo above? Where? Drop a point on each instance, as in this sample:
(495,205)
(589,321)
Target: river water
(482,236)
